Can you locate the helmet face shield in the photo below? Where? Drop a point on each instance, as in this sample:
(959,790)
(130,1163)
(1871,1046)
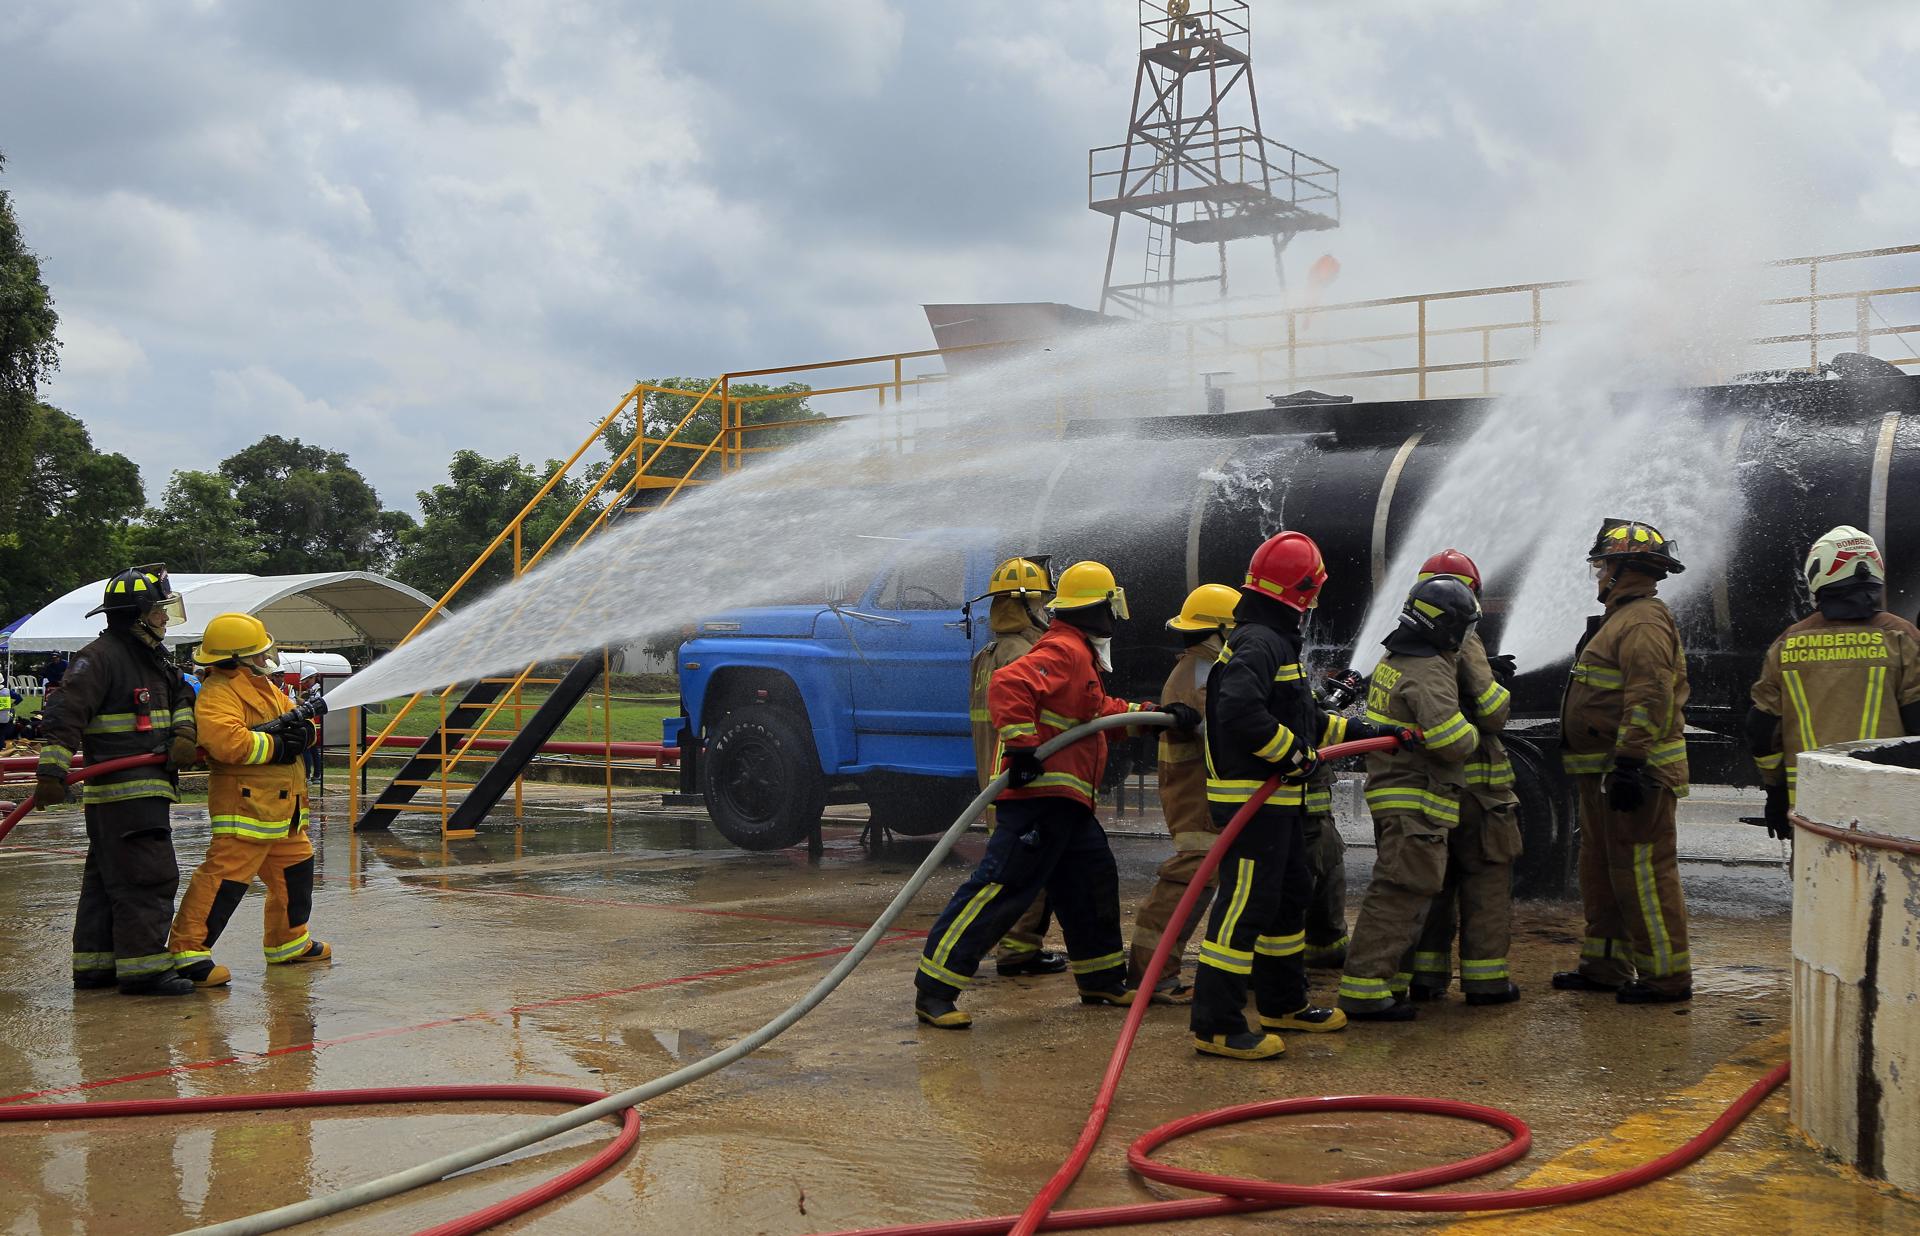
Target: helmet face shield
(1119,602)
(176,609)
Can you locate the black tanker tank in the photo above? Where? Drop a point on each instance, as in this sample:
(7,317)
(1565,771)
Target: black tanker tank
(1801,454)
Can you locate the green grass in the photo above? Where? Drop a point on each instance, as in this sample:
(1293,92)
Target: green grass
(634,720)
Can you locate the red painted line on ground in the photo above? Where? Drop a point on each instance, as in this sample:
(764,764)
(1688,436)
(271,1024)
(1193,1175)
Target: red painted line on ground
(460,1019)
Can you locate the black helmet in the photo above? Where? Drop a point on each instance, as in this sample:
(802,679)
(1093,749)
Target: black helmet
(137,590)
(1639,544)
(1440,610)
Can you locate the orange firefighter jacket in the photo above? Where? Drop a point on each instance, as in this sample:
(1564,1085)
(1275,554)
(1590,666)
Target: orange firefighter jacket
(248,796)
(1051,689)
(1629,689)
(1183,760)
(1832,682)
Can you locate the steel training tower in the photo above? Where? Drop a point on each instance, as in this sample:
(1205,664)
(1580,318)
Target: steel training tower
(1196,168)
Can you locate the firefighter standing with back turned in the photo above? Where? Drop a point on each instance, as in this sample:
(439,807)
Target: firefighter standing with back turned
(1047,836)
(119,698)
(257,801)
(1202,625)
(1848,672)
(1016,586)
(1624,733)
(1261,721)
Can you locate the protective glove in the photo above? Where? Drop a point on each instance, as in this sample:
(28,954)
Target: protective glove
(182,753)
(288,746)
(1504,671)
(49,792)
(1410,738)
(1185,716)
(1342,687)
(1777,823)
(1301,763)
(1023,766)
(1626,784)
(1360,728)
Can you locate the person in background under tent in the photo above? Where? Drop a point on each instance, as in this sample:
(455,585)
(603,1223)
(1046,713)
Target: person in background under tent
(1262,721)
(121,698)
(55,673)
(316,755)
(1849,671)
(1202,625)
(257,802)
(1624,726)
(1016,586)
(1047,836)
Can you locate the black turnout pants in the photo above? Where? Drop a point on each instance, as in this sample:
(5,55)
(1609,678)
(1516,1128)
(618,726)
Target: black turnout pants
(1054,844)
(126,892)
(1257,932)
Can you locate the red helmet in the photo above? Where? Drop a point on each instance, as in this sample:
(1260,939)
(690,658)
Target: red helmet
(1452,562)
(1288,567)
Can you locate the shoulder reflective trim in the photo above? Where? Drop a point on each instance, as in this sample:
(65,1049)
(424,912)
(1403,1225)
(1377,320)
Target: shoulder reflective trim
(1335,731)
(1019,729)
(1275,748)
(1672,751)
(1452,730)
(1093,965)
(1586,763)
(1281,946)
(1226,653)
(1870,711)
(1598,677)
(1381,718)
(141,967)
(280,953)
(1492,700)
(1290,673)
(95,794)
(1353,987)
(940,974)
(1771,762)
(1058,721)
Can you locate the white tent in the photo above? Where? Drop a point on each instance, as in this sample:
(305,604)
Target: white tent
(337,609)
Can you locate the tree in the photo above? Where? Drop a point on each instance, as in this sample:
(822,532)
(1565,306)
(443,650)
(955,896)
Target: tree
(71,512)
(310,509)
(660,413)
(198,527)
(28,350)
(462,516)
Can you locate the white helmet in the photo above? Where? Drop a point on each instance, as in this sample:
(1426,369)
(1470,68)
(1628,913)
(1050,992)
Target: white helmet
(1846,553)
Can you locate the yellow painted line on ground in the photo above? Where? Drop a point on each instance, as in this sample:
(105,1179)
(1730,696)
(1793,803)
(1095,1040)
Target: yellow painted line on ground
(1764,1177)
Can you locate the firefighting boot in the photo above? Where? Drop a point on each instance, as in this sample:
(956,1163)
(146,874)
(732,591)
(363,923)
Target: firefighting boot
(1425,993)
(93,980)
(1387,1010)
(1309,1018)
(1638,992)
(1119,996)
(1170,990)
(1573,980)
(318,950)
(205,973)
(1241,1046)
(939,1013)
(1478,998)
(171,983)
(1040,961)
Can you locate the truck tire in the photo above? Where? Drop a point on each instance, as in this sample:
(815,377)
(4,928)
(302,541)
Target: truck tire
(916,806)
(1545,868)
(761,778)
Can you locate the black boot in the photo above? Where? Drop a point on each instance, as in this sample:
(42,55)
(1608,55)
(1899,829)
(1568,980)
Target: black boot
(1423,994)
(1478,998)
(1241,1046)
(1573,980)
(1638,992)
(172,983)
(940,1013)
(92,980)
(1389,1010)
(1041,961)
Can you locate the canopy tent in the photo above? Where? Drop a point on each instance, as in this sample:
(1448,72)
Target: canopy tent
(337,609)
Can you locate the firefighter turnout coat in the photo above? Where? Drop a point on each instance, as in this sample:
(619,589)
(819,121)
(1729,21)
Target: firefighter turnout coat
(120,697)
(1259,709)
(1051,689)
(1836,681)
(1183,769)
(1423,693)
(1490,776)
(1628,691)
(248,796)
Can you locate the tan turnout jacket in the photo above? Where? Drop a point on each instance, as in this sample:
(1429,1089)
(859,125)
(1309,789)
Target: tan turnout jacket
(1832,682)
(1487,704)
(1628,692)
(1430,779)
(1183,761)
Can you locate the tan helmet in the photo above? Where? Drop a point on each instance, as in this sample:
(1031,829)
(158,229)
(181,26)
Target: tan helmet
(1207,608)
(232,637)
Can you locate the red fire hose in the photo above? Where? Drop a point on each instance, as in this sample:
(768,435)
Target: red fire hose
(19,813)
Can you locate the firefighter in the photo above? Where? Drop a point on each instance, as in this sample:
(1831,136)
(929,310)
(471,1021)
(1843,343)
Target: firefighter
(121,698)
(1850,671)
(257,800)
(1261,721)
(1414,794)
(1485,696)
(1016,586)
(1047,835)
(1326,924)
(1624,733)
(1202,625)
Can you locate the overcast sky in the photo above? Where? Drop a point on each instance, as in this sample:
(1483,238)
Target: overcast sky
(398,229)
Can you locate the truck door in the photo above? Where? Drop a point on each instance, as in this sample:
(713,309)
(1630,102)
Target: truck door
(910,668)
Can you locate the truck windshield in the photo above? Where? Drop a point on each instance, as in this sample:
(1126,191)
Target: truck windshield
(932,578)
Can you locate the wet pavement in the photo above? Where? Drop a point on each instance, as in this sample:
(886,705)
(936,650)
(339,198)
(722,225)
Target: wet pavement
(581,952)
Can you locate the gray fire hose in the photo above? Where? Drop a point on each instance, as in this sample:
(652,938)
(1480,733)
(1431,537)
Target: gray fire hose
(460,1160)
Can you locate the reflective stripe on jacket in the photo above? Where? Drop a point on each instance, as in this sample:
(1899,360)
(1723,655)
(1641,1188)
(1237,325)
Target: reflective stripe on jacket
(1051,689)
(1628,690)
(97,712)
(1487,704)
(1422,693)
(248,796)
(1259,709)
(1834,682)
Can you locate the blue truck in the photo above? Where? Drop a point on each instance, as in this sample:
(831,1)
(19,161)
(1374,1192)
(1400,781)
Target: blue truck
(858,697)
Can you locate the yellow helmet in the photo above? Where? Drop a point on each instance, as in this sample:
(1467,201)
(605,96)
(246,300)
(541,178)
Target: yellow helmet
(1019,577)
(1208,608)
(1089,583)
(229,637)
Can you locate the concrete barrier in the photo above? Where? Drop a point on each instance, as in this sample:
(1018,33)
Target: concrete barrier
(1856,956)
